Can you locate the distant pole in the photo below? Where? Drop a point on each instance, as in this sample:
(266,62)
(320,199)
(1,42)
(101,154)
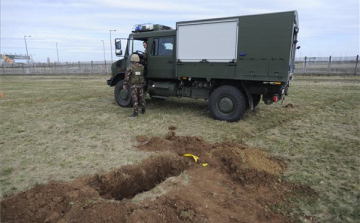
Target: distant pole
(329,65)
(111,44)
(104,49)
(104,53)
(27,53)
(57,51)
(356,64)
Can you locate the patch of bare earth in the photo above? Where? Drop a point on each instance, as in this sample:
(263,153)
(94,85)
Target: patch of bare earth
(289,106)
(238,184)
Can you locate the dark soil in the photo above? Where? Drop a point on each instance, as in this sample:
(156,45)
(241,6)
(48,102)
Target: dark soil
(238,184)
(171,127)
(289,105)
(142,138)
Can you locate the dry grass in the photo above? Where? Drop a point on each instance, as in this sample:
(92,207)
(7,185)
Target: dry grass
(59,128)
(320,140)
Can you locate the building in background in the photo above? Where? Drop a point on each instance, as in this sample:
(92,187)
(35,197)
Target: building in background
(13,58)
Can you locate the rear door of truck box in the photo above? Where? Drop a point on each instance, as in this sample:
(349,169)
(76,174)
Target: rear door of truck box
(265,46)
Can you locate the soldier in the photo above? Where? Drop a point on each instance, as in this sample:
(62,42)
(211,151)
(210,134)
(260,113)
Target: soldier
(135,74)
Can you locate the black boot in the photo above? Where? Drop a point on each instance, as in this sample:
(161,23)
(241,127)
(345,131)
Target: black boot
(143,111)
(134,115)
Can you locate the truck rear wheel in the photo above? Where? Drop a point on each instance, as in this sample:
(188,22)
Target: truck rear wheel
(227,103)
(122,97)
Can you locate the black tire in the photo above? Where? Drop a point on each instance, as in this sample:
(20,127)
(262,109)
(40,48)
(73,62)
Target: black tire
(256,99)
(122,97)
(227,103)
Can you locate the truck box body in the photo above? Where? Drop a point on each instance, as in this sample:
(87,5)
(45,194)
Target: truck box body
(255,47)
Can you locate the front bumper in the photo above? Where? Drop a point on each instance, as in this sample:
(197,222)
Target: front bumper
(109,81)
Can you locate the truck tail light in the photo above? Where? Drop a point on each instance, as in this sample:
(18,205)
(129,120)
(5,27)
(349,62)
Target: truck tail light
(275,98)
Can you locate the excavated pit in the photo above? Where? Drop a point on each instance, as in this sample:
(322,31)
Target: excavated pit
(129,181)
(238,184)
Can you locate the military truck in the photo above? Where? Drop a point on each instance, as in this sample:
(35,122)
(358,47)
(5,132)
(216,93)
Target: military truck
(232,62)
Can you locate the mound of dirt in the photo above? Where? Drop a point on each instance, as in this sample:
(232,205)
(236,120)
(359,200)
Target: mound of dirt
(237,184)
(289,106)
(142,138)
(171,127)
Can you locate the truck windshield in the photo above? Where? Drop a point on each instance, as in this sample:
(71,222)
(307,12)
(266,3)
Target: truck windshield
(135,45)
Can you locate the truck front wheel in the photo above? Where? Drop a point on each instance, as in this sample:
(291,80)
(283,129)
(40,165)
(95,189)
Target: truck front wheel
(227,103)
(122,97)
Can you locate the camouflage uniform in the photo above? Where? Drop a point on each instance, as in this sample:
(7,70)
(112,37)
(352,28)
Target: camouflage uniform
(137,92)
(135,74)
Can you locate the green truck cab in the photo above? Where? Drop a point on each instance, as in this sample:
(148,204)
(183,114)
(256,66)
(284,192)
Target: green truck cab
(233,62)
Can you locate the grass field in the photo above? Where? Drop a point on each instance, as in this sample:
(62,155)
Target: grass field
(60,128)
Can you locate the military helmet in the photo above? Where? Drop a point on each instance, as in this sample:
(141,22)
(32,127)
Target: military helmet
(135,58)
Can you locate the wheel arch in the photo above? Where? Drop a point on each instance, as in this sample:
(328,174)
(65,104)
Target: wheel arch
(118,77)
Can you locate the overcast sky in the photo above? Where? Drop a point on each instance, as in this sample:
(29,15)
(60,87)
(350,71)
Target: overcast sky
(327,27)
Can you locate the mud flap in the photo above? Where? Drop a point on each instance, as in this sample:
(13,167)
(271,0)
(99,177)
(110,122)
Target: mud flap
(249,96)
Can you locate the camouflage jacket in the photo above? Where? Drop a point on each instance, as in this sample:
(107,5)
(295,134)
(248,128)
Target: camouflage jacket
(135,74)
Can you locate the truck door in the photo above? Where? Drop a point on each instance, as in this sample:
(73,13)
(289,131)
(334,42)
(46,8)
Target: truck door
(161,58)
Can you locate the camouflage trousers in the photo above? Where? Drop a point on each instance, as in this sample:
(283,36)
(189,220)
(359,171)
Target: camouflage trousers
(137,94)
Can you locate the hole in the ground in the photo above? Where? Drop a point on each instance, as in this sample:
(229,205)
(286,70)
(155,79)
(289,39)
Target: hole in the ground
(129,181)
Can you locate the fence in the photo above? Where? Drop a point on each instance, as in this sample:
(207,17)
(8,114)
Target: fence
(327,65)
(78,68)
(307,66)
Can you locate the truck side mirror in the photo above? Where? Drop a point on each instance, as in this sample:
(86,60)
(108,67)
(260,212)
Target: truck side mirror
(118,50)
